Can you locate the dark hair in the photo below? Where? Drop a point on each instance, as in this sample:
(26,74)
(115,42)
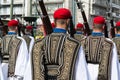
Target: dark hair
(118,28)
(98,26)
(60,21)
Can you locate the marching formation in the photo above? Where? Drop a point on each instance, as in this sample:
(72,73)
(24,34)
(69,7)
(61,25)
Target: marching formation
(63,53)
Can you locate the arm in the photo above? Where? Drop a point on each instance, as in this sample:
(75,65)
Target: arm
(45,18)
(22,59)
(81,67)
(28,71)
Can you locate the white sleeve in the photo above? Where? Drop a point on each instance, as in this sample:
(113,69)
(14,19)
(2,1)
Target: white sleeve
(1,72)
(22,59)
(31,44)
(28,72)
(115,65)
(81,67)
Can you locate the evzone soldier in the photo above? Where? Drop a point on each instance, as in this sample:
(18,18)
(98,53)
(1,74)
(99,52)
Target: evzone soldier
(30,42)
(58,56)
(116,39)
(14,54)
(79,32)
(28,37)
(101,53)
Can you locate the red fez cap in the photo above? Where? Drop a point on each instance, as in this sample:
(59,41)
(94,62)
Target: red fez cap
(99,20)
(118,24)
(53,25)
(62,13)
(79,25)
(29,27)
(12,23)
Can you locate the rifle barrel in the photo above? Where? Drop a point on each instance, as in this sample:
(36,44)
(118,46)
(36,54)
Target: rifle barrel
(87,28)
(46,20)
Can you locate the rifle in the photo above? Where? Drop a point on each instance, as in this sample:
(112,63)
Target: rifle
(4,27)
(71,28)
(19,27)
(45,18)
(109,9)
(105,31)
(32,32)
(87,28)
(112,31)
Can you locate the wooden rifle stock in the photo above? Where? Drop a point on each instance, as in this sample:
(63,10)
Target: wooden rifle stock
(45,18)
(112,31)
(71,28)
(19,28)
(105,31)
(87,29)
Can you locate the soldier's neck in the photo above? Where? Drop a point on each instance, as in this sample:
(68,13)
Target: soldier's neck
(12,31)
(118,32)
(97,30)
(61,27)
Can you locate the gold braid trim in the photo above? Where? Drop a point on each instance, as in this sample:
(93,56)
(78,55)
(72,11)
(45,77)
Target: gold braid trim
(105,63)
(65,67)
(70,52)
(79,37)
(13,52)
(37,61)
(28,40)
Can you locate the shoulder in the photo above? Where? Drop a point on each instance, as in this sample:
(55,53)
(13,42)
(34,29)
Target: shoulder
(71,39)
(39,41)
(109,40)
(5,36)
(20,38)
(31,37)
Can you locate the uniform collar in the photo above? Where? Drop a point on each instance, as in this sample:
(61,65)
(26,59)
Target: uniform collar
(117,35)
(11,33)
(59,30)
(79,33)
(97,34)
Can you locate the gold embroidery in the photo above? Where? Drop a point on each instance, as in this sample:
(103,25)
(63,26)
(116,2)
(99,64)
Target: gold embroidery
(63,67)
(69,60)
(99,51)
(13,52)
(105,63)
(79,37)
(27,39)
(37,62)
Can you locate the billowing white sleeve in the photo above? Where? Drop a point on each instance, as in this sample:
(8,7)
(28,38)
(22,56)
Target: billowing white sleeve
(31,44)
(22,59)
(81,66)
(28,72)
(115,65)
(1,72)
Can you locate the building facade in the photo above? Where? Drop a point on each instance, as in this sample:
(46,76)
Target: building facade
(92,8)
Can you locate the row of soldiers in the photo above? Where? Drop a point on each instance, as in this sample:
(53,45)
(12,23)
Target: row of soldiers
(58,56)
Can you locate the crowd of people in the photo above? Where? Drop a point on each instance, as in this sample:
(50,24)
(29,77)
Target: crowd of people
(58,56)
